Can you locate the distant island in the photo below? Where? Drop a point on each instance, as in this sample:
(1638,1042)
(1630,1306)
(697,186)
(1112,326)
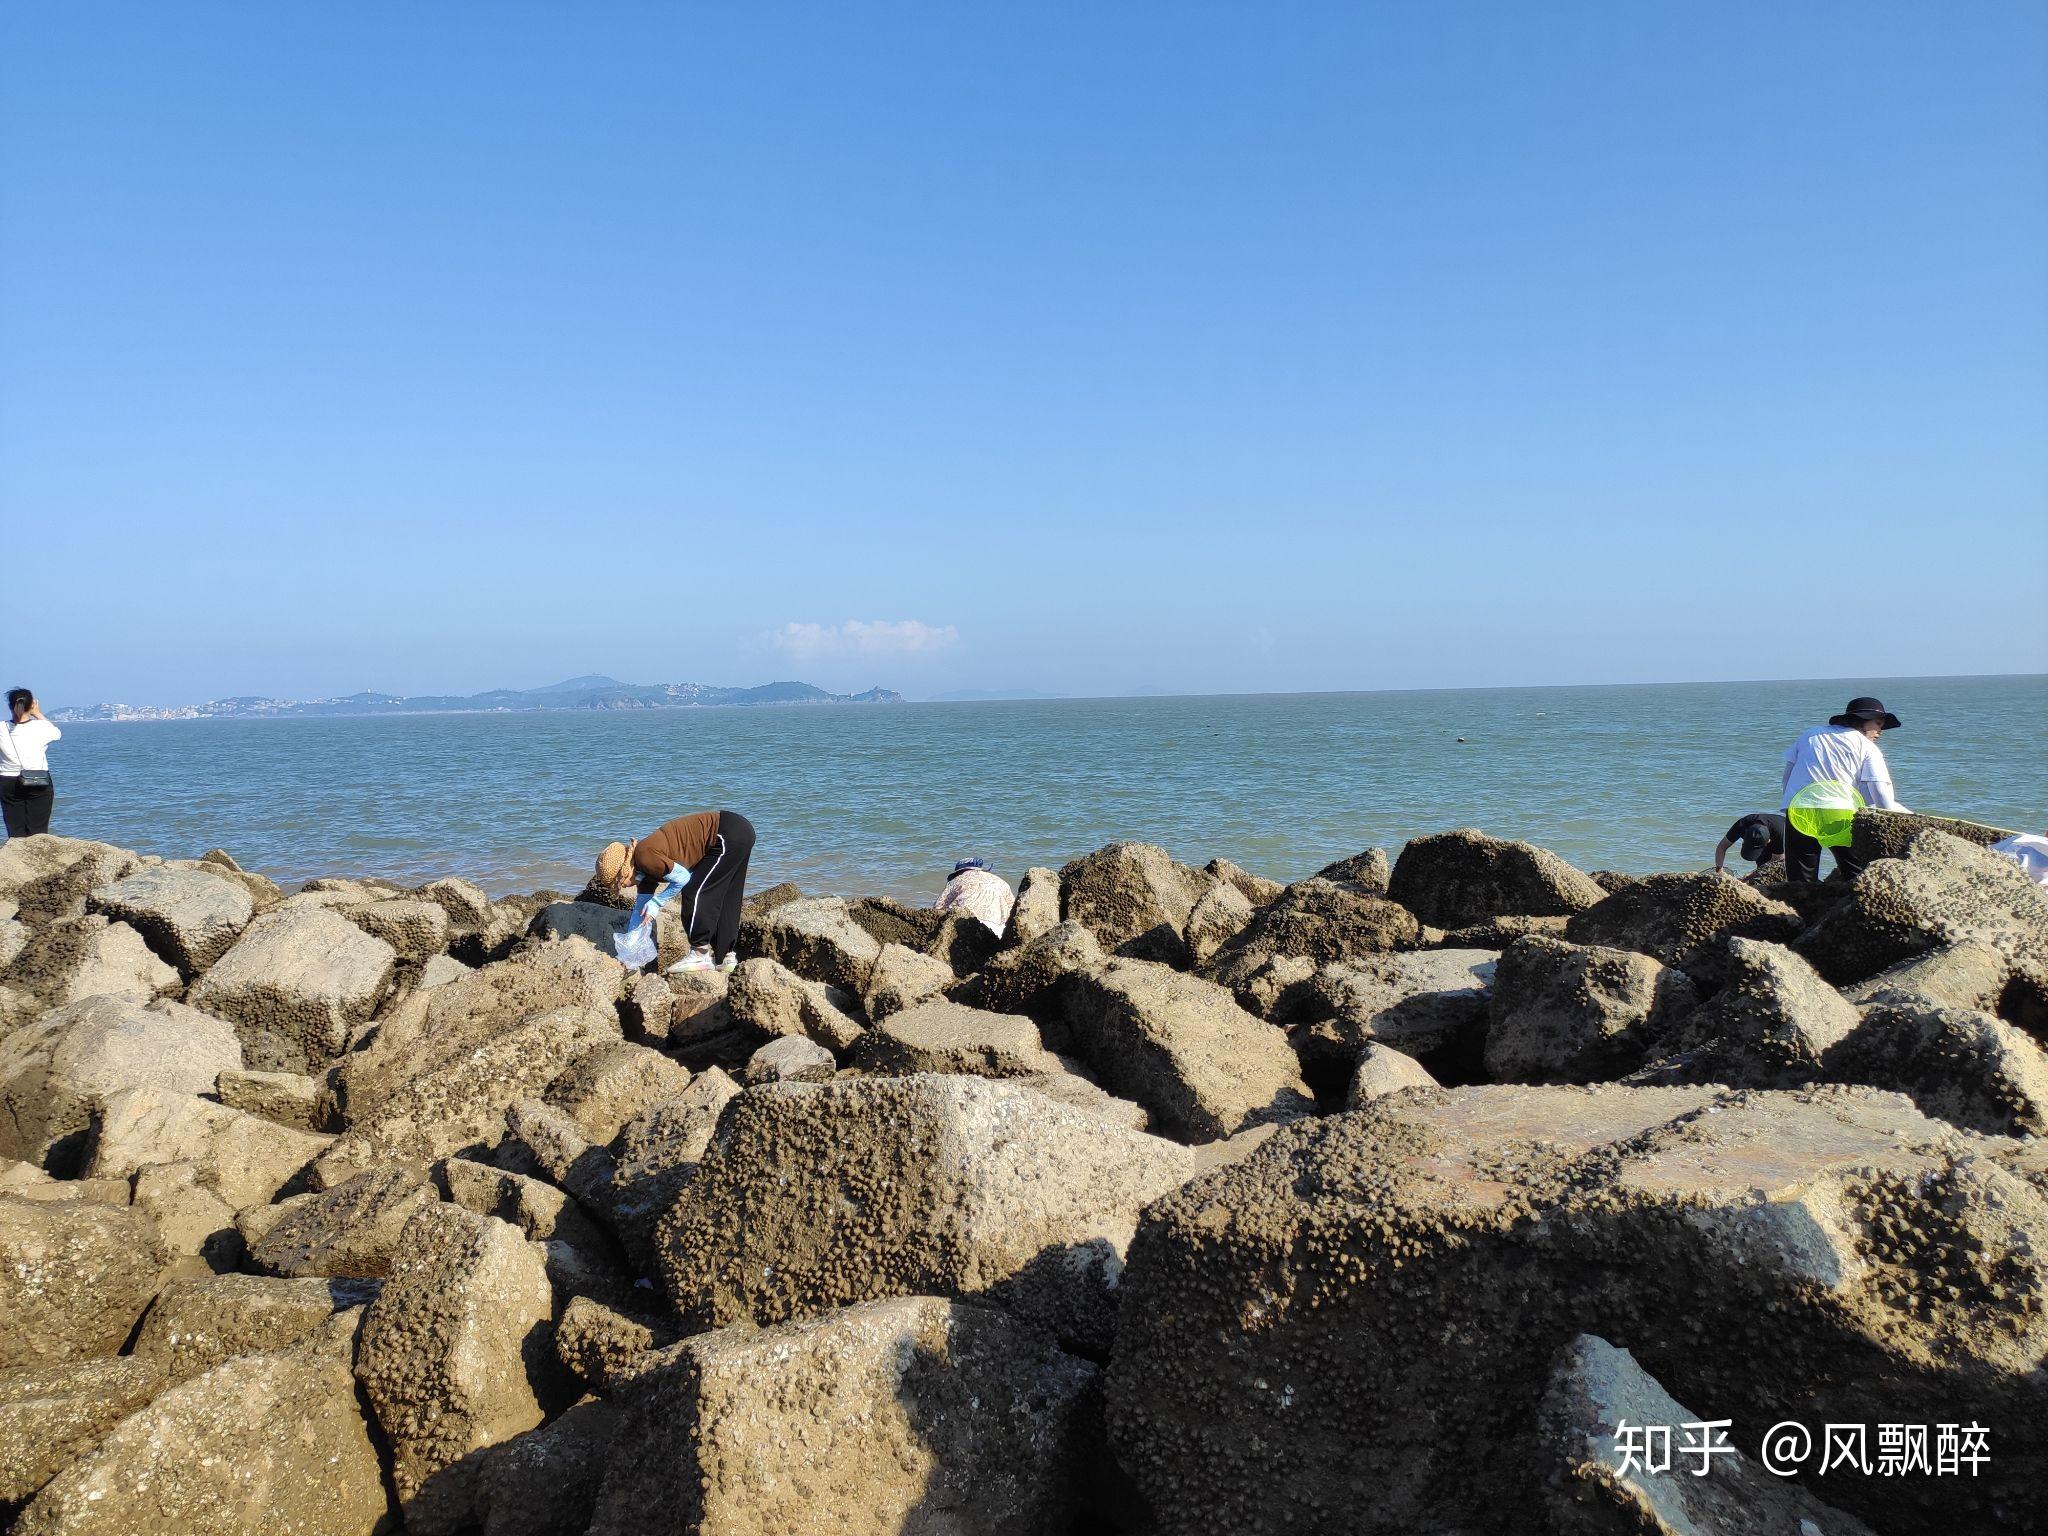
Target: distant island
(577,693)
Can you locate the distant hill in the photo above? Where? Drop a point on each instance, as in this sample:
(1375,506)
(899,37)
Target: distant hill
(592,692)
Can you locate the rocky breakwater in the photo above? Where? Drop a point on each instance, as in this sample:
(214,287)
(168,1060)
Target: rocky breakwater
(1400,1199)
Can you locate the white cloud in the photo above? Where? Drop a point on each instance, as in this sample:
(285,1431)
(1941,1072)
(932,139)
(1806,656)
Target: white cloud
(863,637)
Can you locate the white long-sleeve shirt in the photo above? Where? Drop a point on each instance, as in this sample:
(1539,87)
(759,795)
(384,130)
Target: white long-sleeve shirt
(1837,754)
(984,893)
(26,745)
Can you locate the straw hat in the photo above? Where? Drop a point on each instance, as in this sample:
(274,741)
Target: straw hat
(614,865)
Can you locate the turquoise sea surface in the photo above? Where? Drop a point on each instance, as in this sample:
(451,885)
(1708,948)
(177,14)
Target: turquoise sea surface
(883,798)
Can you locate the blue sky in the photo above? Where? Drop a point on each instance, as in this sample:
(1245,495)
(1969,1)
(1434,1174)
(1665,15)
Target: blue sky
(1077,348)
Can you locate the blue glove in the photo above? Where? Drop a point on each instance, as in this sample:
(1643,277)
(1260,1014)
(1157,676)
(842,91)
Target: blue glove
(672,883)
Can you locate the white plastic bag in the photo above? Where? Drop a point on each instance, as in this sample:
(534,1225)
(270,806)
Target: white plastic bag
(635,946)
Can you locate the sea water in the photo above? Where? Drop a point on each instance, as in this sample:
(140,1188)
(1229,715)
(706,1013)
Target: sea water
(884,798)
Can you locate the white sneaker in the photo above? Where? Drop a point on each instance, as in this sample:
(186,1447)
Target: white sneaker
(695,960)
(730,963)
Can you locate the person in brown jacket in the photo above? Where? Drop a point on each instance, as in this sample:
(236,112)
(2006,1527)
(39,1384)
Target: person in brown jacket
(699,862)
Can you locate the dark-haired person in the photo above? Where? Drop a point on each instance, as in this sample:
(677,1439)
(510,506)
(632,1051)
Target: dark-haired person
(1844,751)
(1761,834)
(699,862)
(26,793)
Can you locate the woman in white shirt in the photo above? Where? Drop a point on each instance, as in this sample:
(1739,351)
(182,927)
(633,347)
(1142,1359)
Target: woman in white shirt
(26,793)
(1844,751)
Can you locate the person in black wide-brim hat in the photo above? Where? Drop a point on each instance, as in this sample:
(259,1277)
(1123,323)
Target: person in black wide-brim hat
(1844,751)
(1861,712)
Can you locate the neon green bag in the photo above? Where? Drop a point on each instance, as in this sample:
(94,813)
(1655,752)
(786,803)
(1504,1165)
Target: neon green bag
(1826,812)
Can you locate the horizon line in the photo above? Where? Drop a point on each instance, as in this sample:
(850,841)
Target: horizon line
(1141,694)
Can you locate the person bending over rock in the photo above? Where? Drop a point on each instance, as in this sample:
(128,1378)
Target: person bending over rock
(981,891)
(1762,835)
(26,793)
(698,863)
(1844,751)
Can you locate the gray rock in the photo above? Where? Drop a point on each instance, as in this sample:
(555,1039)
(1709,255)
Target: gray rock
(1382,1070)
(888,921)
(1942,891)
(701,1025)
(297,985)
(791,1059)
(1770,1026)
(190,1216)
(1317,920)
(466,905)
(434,1029)
(1370,870)
(72,958)
(1891,834)
(1183,1048)
(1274,987)
(542,1213)
(606,1348)
(770,999)
(1964,975)
(1127,890)
(1031,977)
(197,1323)
(963,943)
(1257,889)
(244,1159)
(1421,1003)
(1685,921)
(941,1036)
(54,1072)
(1956,1064)
(545,1482)
(1037,909)
(1598,1485)
(1223,912)
(49,877)
(612,1083)
(351,1231)
(414,927)
(1497,933)
(452,1105)
(814,1196)
(1070,1087)
(656,1156)
(261,1444)
(817,938)
(188,916)
(1454,879)
(648,1008)
(1375,1300)
(52,1415)
(884,1414)
(438,971)
(1578,1013)
(902,978)
(74,1277)
(598,926)
(288,1098)
(449,1353)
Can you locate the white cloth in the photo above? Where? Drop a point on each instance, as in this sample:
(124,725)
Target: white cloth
(2029,852)
(26,745)
(1835,754)
(982,892)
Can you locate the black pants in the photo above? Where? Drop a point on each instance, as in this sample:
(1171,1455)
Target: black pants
(1802,858)
(710,903)
(27,811)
